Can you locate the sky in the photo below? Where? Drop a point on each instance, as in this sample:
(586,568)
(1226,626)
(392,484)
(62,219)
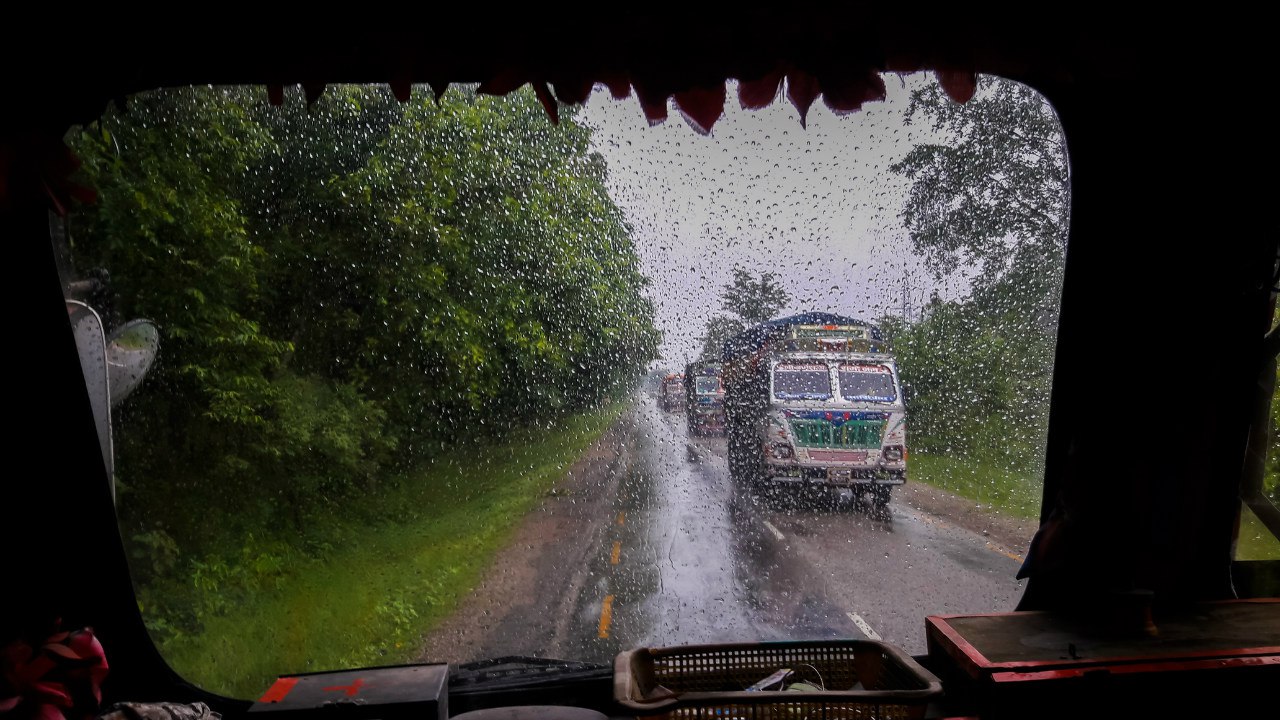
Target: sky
(817,205)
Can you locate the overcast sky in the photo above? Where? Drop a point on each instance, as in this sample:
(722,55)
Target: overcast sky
(816,205)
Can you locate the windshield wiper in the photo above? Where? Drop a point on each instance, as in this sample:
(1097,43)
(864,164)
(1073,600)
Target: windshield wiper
(521,671)
(518,680)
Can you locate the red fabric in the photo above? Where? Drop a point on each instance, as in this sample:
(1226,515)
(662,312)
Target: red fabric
(548,103)
(760,93)
(802,90)
(958,85)
(618,84)
(61,681)
(652,102)
(402,88)
(35,167)
(313,92)
(701,107)
(504,82)
(573,92)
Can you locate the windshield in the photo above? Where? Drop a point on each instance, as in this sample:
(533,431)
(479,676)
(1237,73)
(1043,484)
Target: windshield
(801,382)
(867,382)
(416,395)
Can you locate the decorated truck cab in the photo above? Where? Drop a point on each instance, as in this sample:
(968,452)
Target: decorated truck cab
(671,392)
(815,400)
(704,398)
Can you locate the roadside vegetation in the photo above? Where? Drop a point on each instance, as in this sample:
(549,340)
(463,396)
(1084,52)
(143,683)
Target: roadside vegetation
(1013,491)
(978,370)
(385,327)
(363,580)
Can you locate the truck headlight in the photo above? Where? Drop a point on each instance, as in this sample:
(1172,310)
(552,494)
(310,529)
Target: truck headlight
(893,453)
(781,451)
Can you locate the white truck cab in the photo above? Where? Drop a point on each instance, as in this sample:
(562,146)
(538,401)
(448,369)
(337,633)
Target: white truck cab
(817,402)
(835,418)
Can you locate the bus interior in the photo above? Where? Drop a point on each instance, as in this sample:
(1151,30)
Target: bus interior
(1171,276)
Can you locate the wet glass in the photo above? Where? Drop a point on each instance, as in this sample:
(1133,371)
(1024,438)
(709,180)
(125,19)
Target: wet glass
(801,382)
(867,382)
(416,392)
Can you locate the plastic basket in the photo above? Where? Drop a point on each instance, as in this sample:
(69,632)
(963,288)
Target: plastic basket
(858,679)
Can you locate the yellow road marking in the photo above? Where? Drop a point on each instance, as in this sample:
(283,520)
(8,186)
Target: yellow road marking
(622,517)
(1006,553)
(606,616)
(617,551)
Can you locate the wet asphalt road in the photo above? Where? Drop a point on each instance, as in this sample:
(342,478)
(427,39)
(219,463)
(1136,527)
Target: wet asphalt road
(659,548)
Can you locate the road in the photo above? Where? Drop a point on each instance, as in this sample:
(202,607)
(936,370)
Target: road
(649,544)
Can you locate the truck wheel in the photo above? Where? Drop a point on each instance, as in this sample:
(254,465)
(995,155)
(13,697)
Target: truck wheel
(737,462)
(844,499)
(880,500)
(767,495)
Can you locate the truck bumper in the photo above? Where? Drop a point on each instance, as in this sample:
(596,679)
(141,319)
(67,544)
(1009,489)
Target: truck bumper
(835,477)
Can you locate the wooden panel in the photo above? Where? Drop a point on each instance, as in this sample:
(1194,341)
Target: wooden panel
(1040,641)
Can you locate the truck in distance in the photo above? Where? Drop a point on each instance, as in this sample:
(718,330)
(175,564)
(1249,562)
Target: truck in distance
(814,401)
(671,392)
(704,398)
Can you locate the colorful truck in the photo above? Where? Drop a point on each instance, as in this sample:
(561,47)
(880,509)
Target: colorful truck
(671,392)
(814,400)
(704,398)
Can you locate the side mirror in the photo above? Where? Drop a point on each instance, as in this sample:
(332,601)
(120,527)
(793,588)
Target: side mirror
(91,344)
(113,368)
(130,352)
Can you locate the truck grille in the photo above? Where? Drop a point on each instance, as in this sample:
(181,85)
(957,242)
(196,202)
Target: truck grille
(859,434)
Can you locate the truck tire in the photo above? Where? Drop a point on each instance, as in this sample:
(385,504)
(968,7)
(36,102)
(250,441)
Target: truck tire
(735,459)
(744,466)
(880,499)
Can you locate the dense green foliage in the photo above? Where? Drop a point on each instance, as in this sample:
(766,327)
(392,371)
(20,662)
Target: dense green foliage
(343,291)
(994,197)
(994,200)
(978,383)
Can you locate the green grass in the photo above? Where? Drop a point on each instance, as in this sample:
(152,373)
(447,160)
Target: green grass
(380,587)
(1255,541)
(1006,490)
(1017,493)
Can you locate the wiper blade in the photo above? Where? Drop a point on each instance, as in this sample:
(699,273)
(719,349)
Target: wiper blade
(521,671)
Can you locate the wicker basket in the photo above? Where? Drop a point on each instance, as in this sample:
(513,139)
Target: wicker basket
(859,679)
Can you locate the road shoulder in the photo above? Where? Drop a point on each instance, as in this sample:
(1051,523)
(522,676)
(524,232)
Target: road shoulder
(1011,533)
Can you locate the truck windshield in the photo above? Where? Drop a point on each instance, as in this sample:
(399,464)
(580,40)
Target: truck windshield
(867,382)
(801,382)
(708,385)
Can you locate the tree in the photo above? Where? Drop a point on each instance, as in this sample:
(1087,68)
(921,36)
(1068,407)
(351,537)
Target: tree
(343,284)
(996,198)
(719,329)
(754,300)
(748,301)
